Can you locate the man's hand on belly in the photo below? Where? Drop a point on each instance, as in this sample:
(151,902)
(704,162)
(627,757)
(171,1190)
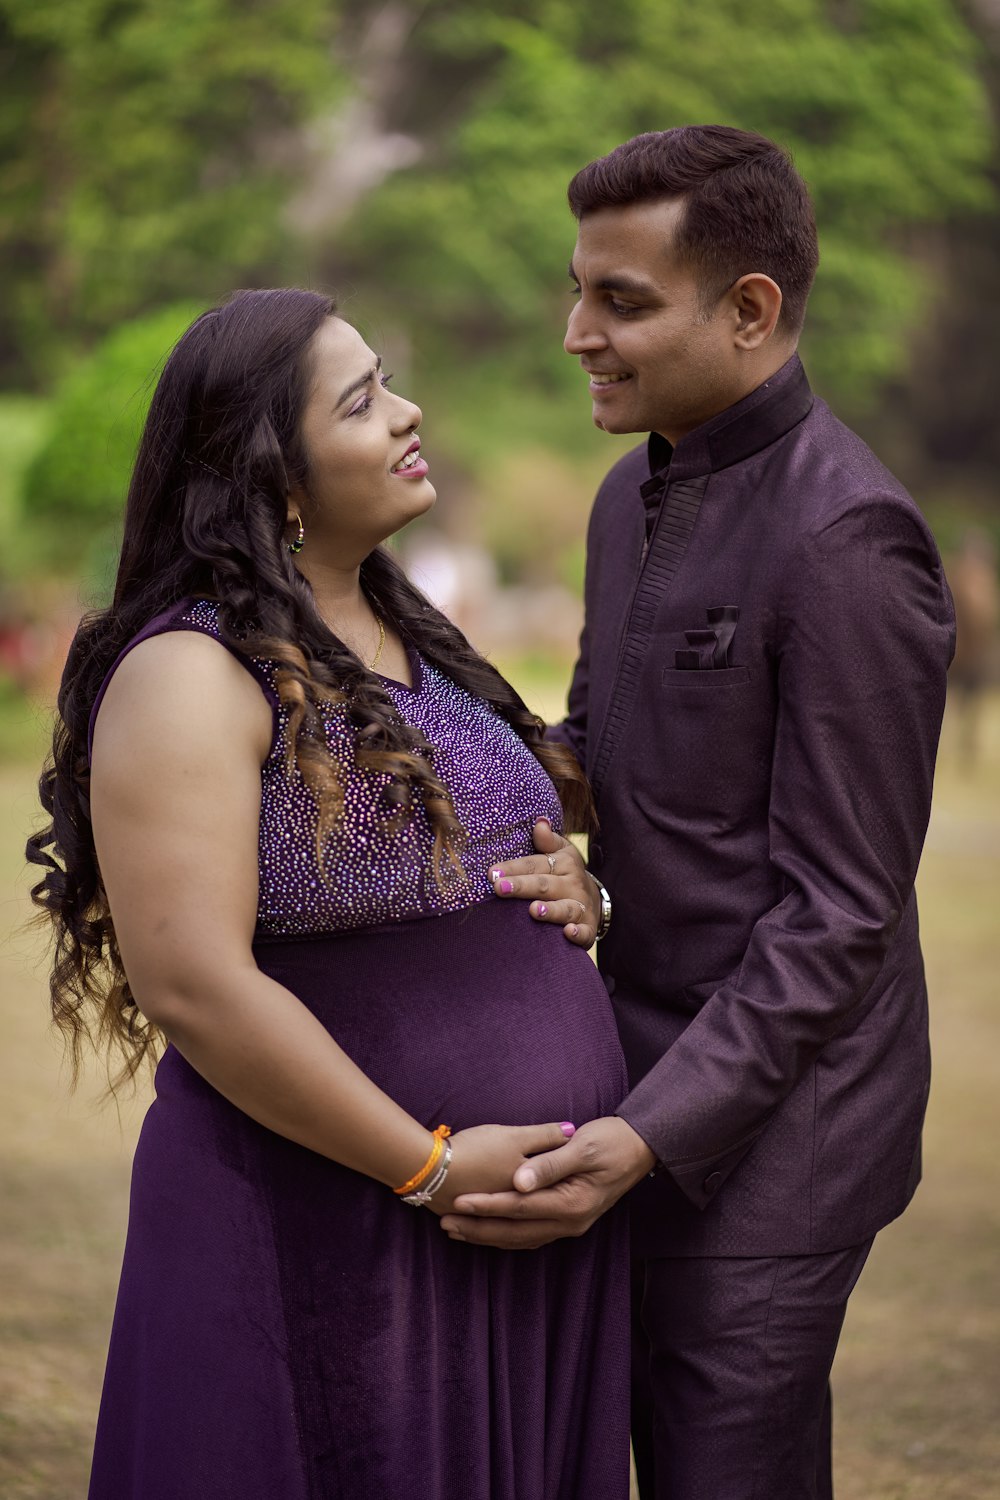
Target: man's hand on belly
(556,882)
(558,1194)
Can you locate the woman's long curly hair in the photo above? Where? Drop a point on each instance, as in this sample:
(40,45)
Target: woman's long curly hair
(205,518)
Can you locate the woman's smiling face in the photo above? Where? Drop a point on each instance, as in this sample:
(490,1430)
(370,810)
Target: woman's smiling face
(366,478)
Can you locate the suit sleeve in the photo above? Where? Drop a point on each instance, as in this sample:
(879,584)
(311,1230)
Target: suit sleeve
(864,638)
(572,732)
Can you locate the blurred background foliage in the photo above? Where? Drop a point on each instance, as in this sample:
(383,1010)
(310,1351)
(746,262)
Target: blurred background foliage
(413,158)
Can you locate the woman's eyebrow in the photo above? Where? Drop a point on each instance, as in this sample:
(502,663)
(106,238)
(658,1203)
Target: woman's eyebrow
(356,385)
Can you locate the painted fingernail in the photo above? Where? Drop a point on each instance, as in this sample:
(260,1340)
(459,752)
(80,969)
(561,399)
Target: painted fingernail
(567,1128)
(543,910)
(506,887)
(572,930)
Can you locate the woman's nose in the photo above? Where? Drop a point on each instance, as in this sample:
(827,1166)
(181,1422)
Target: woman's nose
(409,416)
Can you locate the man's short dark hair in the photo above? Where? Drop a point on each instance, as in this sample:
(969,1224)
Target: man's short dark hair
(747,209)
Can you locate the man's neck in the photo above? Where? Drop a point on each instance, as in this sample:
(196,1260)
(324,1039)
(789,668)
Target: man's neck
(747,379)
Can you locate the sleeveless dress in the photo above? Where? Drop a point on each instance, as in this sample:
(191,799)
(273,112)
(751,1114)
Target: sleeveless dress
(286,1328)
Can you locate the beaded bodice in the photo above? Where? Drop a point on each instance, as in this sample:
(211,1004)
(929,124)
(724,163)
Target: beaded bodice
(371,876)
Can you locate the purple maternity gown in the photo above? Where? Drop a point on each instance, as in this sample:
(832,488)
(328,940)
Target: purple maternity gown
(287,1329)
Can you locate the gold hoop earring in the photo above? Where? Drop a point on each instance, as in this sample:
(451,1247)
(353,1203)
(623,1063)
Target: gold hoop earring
(299,541)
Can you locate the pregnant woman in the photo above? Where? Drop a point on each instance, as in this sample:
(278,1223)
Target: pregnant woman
(280,782)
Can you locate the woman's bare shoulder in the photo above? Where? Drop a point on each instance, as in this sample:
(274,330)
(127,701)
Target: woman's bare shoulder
(184,691)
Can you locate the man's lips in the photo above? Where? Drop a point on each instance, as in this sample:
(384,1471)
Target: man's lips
(602,381)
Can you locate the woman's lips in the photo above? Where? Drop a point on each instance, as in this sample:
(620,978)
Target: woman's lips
(413,471)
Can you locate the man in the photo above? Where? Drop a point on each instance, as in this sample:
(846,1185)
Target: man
(757,702)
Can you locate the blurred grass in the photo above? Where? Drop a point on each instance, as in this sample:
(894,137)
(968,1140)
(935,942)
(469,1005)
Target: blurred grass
(917,1382)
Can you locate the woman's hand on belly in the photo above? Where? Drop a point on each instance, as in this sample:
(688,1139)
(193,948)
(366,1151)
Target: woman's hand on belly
(485,1158)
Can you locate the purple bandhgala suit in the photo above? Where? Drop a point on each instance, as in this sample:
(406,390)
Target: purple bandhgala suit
(758,701)
(286,1328)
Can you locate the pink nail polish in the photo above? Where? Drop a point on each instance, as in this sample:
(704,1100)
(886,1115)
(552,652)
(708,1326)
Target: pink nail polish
(506,887)
(543,911)
(567,1129)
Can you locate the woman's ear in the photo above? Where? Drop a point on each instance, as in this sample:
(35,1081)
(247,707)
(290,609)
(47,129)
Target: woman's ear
(296,502)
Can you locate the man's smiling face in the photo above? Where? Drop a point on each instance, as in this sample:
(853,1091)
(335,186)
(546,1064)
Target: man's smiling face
(658,358)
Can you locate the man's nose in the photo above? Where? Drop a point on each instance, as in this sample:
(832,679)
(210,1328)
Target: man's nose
(582,334)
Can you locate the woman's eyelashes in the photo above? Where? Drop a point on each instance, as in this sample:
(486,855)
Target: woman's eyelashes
(364,405)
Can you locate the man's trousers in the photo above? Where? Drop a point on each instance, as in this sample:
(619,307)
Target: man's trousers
(730,1374)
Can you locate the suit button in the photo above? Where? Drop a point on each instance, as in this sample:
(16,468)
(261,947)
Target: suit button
(712,1183)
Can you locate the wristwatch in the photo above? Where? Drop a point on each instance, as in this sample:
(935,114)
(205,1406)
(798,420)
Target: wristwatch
(605,921)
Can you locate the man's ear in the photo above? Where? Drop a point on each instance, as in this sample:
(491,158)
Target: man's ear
(755,301)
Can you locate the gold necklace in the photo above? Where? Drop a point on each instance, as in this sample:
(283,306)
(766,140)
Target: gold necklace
(381,642)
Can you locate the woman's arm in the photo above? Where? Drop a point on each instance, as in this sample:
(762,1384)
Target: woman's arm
(175,798)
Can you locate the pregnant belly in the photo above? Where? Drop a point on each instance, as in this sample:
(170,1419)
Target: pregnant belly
(480,1016)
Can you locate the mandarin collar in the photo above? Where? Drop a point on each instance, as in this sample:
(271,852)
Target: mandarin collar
(770,411)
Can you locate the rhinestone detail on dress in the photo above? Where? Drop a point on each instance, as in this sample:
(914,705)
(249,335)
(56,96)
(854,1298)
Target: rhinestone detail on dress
(372,876)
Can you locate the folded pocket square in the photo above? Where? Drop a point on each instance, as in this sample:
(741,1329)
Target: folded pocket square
(710,649)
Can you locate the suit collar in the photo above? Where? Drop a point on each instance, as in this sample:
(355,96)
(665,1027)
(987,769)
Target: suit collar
(770,411)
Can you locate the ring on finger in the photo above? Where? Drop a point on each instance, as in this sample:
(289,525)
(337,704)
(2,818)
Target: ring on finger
(552,863)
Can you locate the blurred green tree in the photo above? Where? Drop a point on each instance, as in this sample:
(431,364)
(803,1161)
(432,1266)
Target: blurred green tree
(143,156)
(879,100)
(414,154)
(148,153)
(75,484)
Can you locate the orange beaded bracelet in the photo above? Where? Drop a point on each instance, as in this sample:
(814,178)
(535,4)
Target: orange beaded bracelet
(440,1136)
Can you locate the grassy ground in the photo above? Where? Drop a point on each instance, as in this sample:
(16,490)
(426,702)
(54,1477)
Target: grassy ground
(918,1376)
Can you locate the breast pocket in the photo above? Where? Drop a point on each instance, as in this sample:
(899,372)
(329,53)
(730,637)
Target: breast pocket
(712,743)
(703,682)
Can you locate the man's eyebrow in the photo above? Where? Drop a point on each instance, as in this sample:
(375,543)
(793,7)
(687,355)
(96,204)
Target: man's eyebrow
(626,284)
(356,385)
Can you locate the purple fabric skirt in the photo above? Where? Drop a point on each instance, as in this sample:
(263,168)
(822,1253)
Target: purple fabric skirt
(286,1329)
